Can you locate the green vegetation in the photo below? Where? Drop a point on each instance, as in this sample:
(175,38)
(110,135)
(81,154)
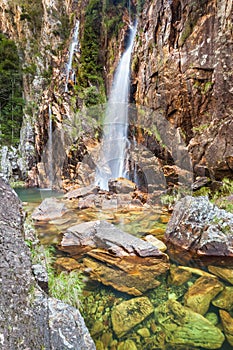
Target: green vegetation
(64,286)
(11,101)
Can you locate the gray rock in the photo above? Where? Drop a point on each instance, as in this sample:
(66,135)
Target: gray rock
(49,209)
(29,319)
(201,231)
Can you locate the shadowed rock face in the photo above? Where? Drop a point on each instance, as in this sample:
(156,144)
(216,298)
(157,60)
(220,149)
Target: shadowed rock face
(182,66)
(29,319)
(201,232)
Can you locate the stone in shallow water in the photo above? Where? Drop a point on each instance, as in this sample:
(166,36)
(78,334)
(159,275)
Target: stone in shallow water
(225,299)
(227,322)
(201,293)
(178,276)
(116,258)
(184,327)
(129,313)
(224,273)
(49,209)
(134,283)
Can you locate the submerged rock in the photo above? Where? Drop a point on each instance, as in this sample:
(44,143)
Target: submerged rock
(49,209)
(184,327)
(225,299)
(129,313)
(116,258)
(201,293)
(227,322)
(200,231)
(223,273)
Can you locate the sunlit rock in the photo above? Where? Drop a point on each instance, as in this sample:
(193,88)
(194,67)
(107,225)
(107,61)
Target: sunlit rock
(114,257)
(201,293)
(227,322)
(156,242)
(129,313)
(49,209)
(184,327)
(121,185)
(82,192)
(200,231)
(224,273)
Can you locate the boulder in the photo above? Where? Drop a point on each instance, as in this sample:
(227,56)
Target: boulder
(184,327)
(223,273)
(201,232)
(29,319)
(82,192)
(224,300)
(129,313)
(200,294)
(49,209)
(227,322)
(121,186)
(114,257)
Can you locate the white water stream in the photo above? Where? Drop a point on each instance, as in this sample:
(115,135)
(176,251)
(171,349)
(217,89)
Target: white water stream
(115,143)
(70,74)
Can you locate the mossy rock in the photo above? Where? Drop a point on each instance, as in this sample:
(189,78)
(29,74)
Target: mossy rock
(184,327)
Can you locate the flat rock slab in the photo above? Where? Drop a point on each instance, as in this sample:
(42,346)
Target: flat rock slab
(115,258)
(200,231)
(201,293)
(186,328)
(82,192)
(129,313)
(49,209)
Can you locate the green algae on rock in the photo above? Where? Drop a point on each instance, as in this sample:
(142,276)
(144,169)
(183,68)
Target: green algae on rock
(201,293)
(182,326)
(130,313)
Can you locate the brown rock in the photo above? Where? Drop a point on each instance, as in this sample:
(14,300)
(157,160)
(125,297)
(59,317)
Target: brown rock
(129,313)
(116,258)
(178,276)
(225,299)
(121,186)
(201,293)
(227,322)
(224,273)
(82,192)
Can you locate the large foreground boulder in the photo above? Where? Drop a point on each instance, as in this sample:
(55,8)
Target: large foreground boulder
(114,257)
(29,319)
(200,231)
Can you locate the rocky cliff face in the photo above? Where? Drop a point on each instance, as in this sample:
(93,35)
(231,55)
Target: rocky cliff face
(184,69)
(181,70)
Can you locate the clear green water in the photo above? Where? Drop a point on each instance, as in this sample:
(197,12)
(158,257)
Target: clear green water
(98,300)
(35,195)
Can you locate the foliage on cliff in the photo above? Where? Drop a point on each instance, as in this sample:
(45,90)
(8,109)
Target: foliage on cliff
(11,101)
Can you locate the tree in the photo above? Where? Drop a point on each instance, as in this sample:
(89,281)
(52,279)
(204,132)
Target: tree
(11,101)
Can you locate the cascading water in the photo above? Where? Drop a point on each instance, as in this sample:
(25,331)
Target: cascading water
(50,150)
(112,162)
(70,75)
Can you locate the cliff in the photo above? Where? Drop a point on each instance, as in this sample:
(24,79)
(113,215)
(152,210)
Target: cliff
(181,71)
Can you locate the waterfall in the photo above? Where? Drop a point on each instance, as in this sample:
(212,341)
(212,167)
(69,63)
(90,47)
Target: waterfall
(112,162)
(70,74)
(50,150)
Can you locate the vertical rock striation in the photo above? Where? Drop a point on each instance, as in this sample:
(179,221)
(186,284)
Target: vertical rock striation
(184,68)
